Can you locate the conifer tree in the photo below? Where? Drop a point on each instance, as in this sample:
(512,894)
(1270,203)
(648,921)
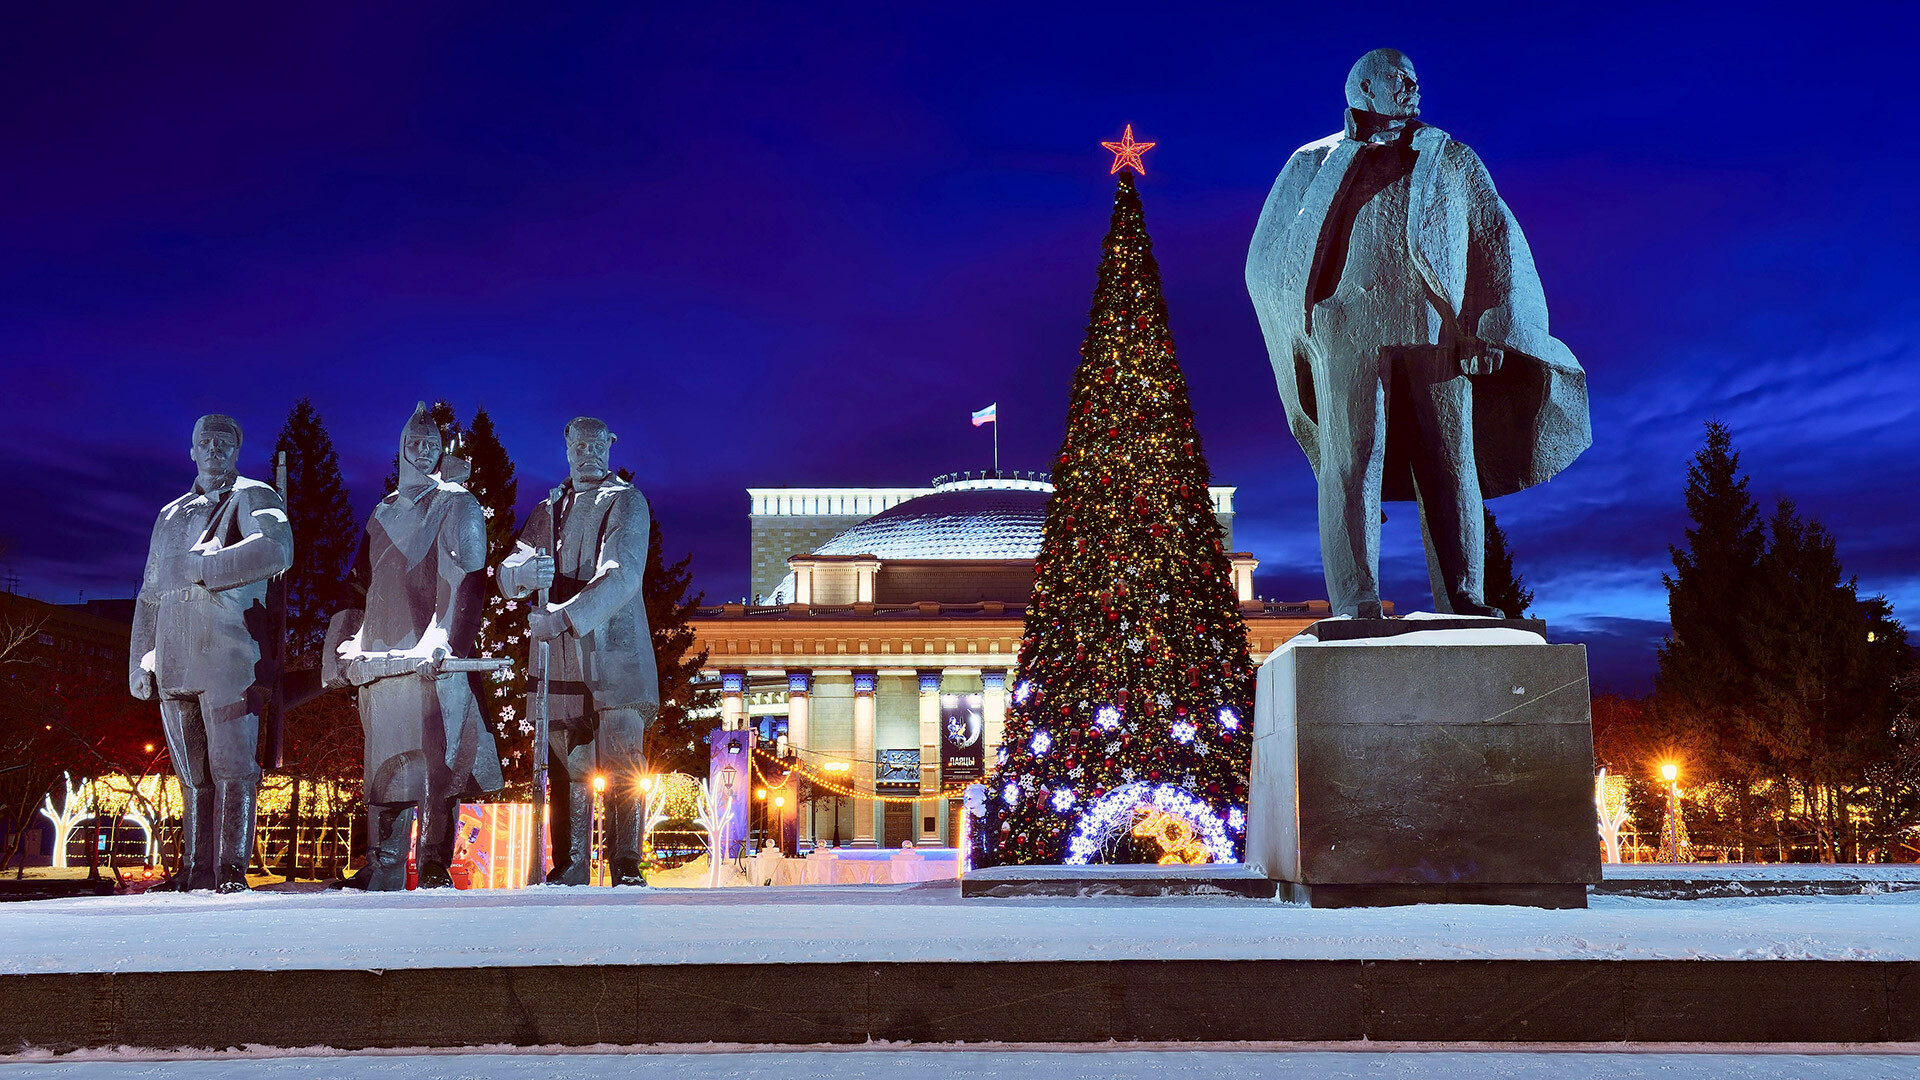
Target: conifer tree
(1712,587)
(689,710)
(503,627)
(1825,672)
(1128,734)
(1504,589)
(1703,684)
(325,533)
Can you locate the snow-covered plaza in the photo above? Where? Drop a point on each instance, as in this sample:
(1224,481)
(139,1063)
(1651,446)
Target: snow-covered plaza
(925,923)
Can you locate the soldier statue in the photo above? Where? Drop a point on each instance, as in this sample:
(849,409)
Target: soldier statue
(408,649)
(203,643)
(1408,334)
(587,545)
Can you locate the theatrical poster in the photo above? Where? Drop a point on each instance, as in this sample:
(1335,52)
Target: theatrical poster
(962,720)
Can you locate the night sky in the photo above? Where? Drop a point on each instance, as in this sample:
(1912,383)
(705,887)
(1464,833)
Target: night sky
(778,247)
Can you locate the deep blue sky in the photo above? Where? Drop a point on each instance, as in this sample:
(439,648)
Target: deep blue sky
(779,247)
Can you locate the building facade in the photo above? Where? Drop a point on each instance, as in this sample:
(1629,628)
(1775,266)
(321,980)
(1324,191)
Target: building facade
(887,637)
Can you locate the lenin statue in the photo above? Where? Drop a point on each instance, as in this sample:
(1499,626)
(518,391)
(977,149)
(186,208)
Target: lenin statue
(1408,335)
(203,643)
(587,545)
(420,573)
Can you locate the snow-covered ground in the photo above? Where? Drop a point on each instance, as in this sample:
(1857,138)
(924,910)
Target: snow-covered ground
(556,925)
(1096,1063)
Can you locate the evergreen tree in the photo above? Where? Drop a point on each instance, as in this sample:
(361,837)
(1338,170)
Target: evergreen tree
(1504,589)
(503,628)
(325,533)
(1134,678)
(1712,587)
(1703,686)
(1825,669)
(689,710)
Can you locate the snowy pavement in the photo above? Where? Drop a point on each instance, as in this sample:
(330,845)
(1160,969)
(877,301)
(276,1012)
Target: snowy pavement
(927,922)
(1097,1063)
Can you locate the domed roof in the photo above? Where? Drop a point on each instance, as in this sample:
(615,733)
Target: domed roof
(964,517)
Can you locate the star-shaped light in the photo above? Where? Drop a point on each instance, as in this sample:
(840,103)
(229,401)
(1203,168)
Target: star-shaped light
(1126,153)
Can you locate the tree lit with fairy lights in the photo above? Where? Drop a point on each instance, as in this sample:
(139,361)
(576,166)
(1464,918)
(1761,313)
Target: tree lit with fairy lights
(1125,738)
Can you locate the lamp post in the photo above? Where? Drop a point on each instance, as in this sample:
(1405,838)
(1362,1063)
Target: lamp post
(839,769)
(593,823)
(1670,833)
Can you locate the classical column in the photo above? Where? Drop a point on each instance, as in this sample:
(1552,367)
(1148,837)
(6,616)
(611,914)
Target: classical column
(799,685)
(995,684)
(733,700)
(863,758)
(929,757)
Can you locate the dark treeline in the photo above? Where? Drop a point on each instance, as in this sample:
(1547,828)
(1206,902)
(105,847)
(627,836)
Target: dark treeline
(1784,696)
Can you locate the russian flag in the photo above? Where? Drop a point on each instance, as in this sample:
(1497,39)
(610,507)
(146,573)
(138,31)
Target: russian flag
(988,415)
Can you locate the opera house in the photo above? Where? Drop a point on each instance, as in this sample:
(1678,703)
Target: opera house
(885,638)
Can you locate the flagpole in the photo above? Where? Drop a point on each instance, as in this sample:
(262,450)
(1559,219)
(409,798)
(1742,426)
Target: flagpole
(996,443)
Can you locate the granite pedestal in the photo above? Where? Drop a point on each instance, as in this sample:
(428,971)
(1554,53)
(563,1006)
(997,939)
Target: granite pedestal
(1418,761)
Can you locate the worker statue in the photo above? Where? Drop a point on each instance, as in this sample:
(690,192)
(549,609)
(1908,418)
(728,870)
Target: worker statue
(203,644)
(585,550)
(409,650)
(1408,335)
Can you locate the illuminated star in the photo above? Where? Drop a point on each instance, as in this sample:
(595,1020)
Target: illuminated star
(1126,153)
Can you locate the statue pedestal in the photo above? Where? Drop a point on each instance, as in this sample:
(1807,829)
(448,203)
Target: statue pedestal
(1407,761)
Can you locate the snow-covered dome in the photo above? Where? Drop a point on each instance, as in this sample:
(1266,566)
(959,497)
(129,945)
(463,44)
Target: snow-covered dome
(965,516)
(962,518)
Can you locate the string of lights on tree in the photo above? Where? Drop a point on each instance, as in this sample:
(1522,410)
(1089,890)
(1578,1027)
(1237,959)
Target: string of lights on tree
(1134,672)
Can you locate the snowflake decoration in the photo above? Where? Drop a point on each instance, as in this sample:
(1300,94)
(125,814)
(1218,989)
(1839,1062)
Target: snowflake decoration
(1011,793)
(1108,718)
(1042,742)
(1062,799)
(1229,719)
(1022,692)
(1183,732)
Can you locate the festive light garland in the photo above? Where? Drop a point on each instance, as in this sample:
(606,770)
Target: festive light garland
(820,781)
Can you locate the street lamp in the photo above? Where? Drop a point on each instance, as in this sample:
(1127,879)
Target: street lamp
(1670,834)
(593,821)
(839,769)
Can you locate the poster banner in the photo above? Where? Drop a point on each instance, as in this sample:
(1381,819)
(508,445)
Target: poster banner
(962,722)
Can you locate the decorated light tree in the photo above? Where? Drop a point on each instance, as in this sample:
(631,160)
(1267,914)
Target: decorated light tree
(1128,734)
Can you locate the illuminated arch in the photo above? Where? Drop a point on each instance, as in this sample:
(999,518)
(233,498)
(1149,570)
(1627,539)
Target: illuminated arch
(1112,814)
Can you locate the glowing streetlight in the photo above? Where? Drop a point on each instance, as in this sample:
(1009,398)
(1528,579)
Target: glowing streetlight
(1669,772)
(646,783)
(599,784)
(760,793)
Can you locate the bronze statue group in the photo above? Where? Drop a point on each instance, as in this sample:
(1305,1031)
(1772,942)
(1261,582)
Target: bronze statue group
(203,644)
(1407,330)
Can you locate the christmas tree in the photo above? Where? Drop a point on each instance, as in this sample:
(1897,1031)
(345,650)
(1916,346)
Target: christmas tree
(1128,736)
(503,627)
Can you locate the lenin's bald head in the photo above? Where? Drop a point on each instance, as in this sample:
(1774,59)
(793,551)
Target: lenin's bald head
(1383,82)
